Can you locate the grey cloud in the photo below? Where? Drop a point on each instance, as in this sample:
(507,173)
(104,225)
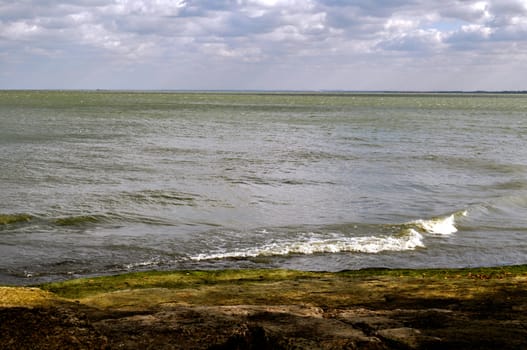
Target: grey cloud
(351,19)
(505,8)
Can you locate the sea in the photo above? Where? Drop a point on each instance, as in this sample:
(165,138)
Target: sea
(106,182)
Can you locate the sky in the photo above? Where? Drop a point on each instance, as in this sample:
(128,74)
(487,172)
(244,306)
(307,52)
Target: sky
(412,45)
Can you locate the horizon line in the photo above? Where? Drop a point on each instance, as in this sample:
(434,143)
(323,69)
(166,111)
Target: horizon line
(276,91)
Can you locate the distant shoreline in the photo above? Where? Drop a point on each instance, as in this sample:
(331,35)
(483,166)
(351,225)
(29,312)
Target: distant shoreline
(322,92)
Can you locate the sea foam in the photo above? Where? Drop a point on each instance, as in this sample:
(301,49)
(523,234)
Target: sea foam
(440,226)
(405,237)
(408,240)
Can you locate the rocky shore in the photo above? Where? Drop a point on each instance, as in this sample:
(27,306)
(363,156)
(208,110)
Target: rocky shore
(272,309)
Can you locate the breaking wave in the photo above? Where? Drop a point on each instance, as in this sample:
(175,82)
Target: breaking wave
(440,225)
(408,241)
(405,237)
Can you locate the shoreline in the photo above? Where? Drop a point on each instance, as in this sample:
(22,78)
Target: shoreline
(482,308)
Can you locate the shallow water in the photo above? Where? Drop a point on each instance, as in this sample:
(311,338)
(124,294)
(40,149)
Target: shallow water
(105,182)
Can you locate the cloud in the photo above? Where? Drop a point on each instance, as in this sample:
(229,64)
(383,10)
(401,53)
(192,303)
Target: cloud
(268,44)
(468,11)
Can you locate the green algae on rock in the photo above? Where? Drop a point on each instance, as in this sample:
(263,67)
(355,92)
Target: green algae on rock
(267,287)
(481,308)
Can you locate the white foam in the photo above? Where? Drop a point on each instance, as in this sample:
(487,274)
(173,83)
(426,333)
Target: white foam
(410,237)
(151,262)
(409,240)
(441,225)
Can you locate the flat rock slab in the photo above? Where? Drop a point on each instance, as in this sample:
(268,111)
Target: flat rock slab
(271,310)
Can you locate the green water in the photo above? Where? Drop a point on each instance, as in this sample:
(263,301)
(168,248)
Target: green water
(96,182)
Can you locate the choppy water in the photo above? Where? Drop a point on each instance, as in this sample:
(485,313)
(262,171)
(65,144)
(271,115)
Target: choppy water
(105,182)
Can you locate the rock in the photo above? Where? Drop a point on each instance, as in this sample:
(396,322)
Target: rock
(281,310)
(404,336)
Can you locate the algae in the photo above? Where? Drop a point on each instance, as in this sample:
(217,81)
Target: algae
(168,279)
(6,219)
(76,220)
(271,287)
(26,297)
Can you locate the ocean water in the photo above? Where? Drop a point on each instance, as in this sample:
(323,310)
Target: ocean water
(99,182)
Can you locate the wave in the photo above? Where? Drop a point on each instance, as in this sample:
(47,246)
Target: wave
(159,197)
(440,225)
(78,220)
(152,262)
(7,219)
(407,241)
(500,213)
(479,163)
(10,220)
(405,237)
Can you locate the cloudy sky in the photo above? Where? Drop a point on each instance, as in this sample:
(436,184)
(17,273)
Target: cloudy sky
(264,44)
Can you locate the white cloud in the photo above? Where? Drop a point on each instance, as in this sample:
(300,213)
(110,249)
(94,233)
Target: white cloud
(297,4)
(401,24)
(20,30)
(171,43)
(147,7)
